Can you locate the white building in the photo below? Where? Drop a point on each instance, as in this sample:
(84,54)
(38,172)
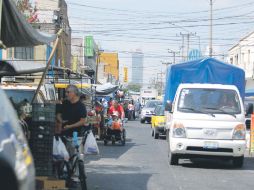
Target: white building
(242,55)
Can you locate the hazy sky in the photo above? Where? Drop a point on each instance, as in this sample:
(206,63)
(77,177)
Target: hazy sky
(154,26)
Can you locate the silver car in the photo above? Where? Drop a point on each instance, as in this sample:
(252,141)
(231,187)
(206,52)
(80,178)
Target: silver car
(148,110)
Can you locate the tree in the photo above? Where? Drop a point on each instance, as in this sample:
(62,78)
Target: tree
(26,8)
(134,87)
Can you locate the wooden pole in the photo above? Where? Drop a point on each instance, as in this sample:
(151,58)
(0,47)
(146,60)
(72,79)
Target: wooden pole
(48,64)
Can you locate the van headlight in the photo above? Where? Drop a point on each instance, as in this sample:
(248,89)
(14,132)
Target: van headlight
(239,132)
(179,131)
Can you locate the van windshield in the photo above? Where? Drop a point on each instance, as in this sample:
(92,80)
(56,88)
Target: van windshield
(209,101)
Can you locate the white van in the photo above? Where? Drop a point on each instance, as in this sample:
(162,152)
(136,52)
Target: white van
(206,120)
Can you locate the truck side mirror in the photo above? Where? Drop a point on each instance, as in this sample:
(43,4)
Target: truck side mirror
(249,109)
(168,107)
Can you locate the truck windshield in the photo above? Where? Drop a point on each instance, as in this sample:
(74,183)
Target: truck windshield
(211,101)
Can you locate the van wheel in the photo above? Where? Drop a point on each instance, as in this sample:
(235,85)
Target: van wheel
(238,161)
(167,135)
(152,132)
(173,159)
(156,135)
(142,121)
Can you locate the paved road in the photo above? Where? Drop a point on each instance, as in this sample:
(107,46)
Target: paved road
(142,165)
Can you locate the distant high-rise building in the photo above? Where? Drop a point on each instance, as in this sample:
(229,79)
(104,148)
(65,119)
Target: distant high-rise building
(137,67)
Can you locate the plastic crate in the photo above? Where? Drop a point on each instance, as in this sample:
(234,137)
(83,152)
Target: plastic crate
(40,152)
(41,137)
(42,131)
(44,172)
(44,108)
(43,125)
(43,116)
(44,112)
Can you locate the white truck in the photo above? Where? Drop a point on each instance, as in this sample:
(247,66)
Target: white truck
(205,120)
(147,94)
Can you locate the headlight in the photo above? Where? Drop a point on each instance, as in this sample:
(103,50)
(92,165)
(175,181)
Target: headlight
(239,132)
(179,131)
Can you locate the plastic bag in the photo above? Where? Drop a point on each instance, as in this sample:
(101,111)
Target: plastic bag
(91,146)
(59,149)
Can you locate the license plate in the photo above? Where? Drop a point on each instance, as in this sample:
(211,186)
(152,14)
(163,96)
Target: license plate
(211,145)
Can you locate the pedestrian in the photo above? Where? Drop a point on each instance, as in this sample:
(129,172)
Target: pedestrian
(116,107)
(130,111)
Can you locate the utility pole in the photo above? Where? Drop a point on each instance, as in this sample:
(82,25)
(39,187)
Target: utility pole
(182,46)
(159,81)
(211,29)
(188,35)
(174,54)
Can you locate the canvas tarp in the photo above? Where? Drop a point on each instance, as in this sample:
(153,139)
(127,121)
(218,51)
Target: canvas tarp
(208,70)
(106,89)
(17,32)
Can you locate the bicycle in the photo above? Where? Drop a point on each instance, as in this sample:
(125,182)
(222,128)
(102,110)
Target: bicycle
(67,169)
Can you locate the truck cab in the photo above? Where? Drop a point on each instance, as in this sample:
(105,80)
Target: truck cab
(206,120)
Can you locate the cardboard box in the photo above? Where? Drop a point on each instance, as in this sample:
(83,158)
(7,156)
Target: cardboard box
(46,183)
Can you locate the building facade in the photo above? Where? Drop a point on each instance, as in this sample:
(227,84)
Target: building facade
(47,16)
(137,67)
(111,64)
(77,54)
(242,55)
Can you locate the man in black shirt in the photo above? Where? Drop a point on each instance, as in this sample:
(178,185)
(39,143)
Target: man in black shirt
(73,112)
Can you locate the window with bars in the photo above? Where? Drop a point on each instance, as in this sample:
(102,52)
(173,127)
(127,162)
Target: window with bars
(24,53)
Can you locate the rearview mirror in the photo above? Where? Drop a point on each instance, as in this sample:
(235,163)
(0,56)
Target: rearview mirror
(249,109)
(168,107)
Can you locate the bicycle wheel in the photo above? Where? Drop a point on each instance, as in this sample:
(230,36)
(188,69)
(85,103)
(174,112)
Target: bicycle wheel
(82,175)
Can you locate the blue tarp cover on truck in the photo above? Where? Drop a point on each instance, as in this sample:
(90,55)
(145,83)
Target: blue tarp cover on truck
(208,70)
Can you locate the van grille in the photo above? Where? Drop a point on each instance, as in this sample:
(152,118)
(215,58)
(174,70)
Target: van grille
(195,148)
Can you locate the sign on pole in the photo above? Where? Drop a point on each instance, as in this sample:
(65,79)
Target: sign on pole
(194,55)
(89,46)
(252,134)
(125,78)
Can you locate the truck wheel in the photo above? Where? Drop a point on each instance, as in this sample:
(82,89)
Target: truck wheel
(173,159)
(238,161)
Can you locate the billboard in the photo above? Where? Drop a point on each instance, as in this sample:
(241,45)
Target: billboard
(125,76)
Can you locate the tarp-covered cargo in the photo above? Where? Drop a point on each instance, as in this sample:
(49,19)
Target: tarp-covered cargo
(208,70)
(16,31)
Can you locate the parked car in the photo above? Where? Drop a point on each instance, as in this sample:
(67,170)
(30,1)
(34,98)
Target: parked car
(158,122)
(16,163)
(148,110)
(248,102)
